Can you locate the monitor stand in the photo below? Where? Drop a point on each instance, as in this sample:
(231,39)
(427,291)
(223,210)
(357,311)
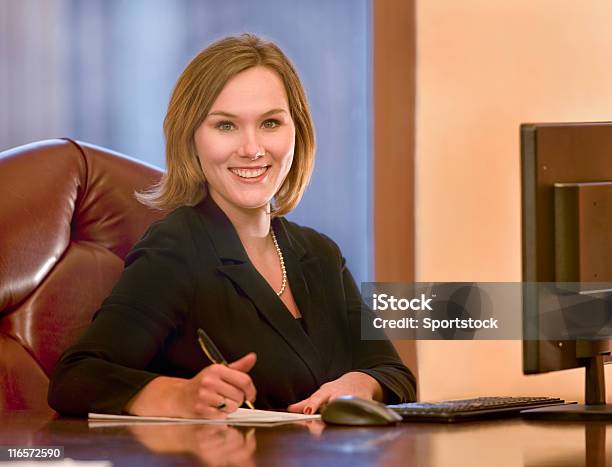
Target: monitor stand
(595,408)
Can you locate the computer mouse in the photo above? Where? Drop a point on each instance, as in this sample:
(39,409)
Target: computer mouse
(350,410)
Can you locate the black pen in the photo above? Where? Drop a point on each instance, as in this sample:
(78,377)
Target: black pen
(214,355)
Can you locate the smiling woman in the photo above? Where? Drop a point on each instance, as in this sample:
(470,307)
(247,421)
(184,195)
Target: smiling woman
(240,150)
(214,79)
(246,142)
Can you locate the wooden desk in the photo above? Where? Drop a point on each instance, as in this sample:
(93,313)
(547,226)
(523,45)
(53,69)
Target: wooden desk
(511,442)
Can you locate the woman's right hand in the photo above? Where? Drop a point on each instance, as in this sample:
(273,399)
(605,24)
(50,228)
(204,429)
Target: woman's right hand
(218,386)
(201,396)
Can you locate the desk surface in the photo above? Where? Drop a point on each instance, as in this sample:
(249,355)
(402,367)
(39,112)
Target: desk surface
(511,442)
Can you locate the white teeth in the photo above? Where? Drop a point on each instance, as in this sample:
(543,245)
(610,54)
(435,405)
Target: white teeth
(249,173)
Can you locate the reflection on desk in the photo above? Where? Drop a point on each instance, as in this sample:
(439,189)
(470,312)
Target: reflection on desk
(211,444)
(511,442)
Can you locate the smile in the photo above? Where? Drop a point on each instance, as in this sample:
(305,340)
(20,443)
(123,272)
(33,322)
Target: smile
(250,173)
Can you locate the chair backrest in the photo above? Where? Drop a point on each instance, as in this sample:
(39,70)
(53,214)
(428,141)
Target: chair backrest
(68,217)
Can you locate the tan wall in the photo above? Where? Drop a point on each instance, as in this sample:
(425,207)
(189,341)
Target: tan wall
(483,67)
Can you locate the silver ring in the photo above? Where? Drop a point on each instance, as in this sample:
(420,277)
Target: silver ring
(221,405)
(257,156)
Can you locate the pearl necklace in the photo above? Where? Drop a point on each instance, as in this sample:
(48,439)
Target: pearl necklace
(282,263)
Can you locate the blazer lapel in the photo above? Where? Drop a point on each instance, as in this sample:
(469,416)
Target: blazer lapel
(237,267)
(308,287)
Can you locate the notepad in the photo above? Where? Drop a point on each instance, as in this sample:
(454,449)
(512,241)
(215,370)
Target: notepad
(239,417)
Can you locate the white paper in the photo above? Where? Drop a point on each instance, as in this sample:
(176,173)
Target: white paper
(239,417)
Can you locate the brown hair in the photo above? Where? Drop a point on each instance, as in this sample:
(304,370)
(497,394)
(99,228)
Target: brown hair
(194,93)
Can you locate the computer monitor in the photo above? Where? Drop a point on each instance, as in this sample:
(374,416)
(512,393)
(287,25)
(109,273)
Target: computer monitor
(567,238)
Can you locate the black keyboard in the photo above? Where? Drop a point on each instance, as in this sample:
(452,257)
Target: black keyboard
(470,409)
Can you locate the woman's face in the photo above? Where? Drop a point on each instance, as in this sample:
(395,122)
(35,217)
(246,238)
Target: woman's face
(249,117)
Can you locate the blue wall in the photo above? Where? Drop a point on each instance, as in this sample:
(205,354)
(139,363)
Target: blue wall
(111,65)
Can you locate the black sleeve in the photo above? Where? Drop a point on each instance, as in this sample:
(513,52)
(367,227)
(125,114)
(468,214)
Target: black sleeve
(106,366)
(377,358)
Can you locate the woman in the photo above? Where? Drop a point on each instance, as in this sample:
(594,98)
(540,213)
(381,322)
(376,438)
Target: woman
(276,298)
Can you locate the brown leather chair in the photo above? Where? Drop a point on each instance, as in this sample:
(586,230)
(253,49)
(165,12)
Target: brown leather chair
(68,217)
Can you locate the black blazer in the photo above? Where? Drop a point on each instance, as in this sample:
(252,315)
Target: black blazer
(190,270)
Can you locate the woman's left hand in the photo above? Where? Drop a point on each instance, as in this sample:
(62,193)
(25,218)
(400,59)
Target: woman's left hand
(353,383)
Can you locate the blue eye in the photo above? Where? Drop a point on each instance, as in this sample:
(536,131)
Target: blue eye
(270,124)
(225,126)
